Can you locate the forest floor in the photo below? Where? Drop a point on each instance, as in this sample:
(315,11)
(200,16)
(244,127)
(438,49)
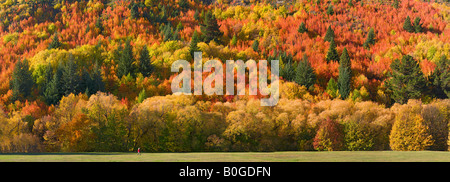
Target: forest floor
(294,156)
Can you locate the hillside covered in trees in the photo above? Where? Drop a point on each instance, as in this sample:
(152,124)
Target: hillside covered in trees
(94,75)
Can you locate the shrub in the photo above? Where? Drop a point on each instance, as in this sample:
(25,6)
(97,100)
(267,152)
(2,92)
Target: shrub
(437,124)
(329,136)
(409,131)
(291,90)
(358,136)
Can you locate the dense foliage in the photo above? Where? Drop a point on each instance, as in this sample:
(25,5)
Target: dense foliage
(94,75)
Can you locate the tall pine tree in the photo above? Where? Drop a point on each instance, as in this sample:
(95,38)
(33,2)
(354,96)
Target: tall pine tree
(330,10)
(304,73)
(329,35)
(54,91)
(332,54)
(417,25)
(302,28)
(407,80)
(287,70)
(210,28)
(441,78)
(55,42)
(70,77)
(96,83)
(193,47)
(370,39)
(145,65)
(255,45)
(134,13)
(21,81)
(345,74)
(407,25)
(125,62)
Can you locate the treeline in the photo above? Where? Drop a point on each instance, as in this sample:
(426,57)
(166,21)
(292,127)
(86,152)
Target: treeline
(186,124)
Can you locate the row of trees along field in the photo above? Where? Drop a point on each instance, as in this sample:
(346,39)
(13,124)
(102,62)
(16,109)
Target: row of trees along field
(81,75)
(170,123)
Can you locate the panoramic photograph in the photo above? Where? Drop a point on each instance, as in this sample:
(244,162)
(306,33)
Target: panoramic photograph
(224,81)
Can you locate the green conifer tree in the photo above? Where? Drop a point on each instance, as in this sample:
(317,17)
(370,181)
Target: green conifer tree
(21,81)
(370,39)
(329,35)
(330,10)
(55,42)
(210,28)
(145,65)
(441,78)
(417,25)
(305,74)
(193,47)
(255,45)
(406,80)
(302,28)
(407,25)
(345,74)
(332,54)
(125,62)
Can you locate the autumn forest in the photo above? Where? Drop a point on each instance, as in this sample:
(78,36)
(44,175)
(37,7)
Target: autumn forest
(95,75)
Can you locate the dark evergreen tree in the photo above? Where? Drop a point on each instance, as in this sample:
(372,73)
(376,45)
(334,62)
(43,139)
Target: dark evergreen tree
(329,35)
(183,4)
(288,71)
(255,45)
(145,65)
(332,54)
(176,33)
(134,13)
(210,28)
(196,15)
(417,25)
(406,80)
(370,39)
(302,28)
(345,74)
(162,16)
(53,91)
(330,10)
(48,75)
(350,3)
(166,32)
(193,45)
(85,81)
(304,73)
(395,4)
(441,78)
(407,25)
(99,25)
(21,81)
(55,42)
(96,83)
(125,63)
(70,77)
(87,29)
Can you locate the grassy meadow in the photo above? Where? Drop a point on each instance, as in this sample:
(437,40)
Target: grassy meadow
(335,156)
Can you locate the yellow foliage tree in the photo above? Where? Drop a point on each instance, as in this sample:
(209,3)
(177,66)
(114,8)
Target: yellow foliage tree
(409,133)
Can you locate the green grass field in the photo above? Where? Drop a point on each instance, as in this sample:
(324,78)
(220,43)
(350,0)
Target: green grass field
(337,156)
